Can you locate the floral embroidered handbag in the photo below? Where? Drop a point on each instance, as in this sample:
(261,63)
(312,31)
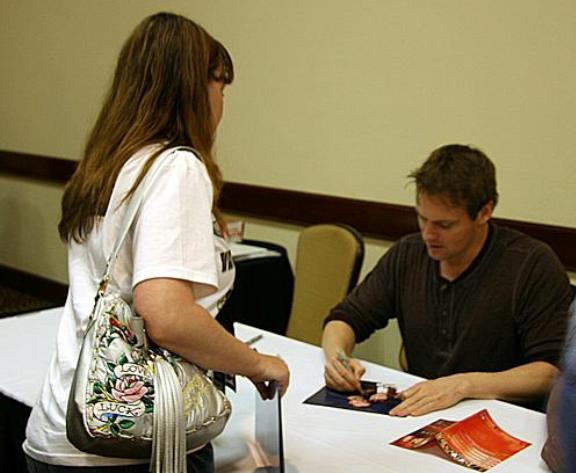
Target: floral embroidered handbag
(129,398)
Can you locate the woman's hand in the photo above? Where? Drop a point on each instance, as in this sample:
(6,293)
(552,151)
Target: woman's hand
(271,368)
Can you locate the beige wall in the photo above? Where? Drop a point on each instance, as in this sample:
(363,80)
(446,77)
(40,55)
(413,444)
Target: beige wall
(29,213)
(331,96)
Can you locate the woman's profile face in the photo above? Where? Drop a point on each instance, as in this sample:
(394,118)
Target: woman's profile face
(216,99)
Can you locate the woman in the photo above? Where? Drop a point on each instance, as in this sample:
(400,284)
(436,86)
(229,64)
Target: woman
(167,92)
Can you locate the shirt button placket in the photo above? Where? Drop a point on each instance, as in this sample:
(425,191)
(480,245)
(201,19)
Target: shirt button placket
(445,312)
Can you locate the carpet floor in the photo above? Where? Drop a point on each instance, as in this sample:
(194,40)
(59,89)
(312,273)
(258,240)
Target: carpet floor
(14,302)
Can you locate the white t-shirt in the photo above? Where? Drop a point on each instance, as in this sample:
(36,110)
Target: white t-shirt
(174,236)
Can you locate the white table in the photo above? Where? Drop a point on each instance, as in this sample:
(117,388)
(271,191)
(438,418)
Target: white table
(317,439)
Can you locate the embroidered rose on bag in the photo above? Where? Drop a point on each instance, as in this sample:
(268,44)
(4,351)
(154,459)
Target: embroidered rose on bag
(129,389)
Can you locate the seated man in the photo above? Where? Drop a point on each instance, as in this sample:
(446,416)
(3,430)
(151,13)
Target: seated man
(482,309)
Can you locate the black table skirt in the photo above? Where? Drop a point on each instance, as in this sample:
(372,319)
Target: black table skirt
(262,295)
(14,416)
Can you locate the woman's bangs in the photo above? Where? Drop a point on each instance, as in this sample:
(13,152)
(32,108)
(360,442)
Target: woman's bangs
(221,68)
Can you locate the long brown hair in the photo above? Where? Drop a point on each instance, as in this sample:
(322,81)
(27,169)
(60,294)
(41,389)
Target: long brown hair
(158,96)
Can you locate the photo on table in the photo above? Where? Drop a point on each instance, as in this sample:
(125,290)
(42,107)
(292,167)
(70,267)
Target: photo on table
(476,442)
(357,401)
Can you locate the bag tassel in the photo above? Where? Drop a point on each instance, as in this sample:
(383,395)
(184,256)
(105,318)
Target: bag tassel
(169,439)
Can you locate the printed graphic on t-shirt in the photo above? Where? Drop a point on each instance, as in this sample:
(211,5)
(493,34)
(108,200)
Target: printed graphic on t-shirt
(226,267)
(227,263)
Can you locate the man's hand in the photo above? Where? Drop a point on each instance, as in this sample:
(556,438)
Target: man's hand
(525,382)
(343,377)
(428,396)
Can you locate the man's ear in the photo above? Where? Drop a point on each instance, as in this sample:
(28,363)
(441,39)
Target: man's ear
(485,213)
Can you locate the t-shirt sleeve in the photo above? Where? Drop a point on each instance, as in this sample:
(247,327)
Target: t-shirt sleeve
(542,298)
(173,235)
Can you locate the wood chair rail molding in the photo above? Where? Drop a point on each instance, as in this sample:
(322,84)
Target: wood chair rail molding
(373,219)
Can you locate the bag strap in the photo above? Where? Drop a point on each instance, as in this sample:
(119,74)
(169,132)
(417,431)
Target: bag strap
(133,206)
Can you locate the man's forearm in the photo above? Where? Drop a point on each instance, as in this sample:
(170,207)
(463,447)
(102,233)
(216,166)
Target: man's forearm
(341,375)
(530,381)
(527,382)
(338,335)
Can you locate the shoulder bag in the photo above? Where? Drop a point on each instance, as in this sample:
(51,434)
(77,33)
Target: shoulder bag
(130,398)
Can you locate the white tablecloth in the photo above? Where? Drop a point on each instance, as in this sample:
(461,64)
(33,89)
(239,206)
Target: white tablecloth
(317,439)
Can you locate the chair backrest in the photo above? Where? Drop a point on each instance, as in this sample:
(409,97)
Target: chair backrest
(328,262)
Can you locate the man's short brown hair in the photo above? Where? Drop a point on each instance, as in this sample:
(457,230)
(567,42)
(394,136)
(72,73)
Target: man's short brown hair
(463,174)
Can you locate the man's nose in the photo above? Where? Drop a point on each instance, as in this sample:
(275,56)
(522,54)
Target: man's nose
(427,231)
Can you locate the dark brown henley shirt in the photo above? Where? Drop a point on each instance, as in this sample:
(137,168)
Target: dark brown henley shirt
(508,308)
